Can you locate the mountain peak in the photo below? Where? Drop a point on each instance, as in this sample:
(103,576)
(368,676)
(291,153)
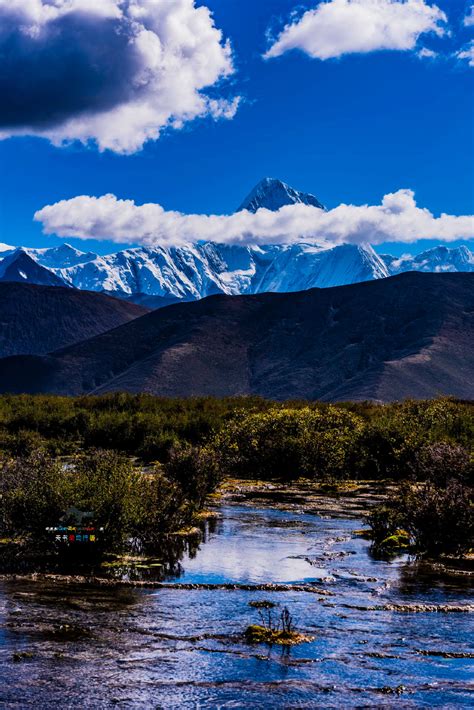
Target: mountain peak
(66,247)
(272,194)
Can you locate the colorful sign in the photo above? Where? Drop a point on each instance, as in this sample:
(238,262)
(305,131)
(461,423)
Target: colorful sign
(75,533)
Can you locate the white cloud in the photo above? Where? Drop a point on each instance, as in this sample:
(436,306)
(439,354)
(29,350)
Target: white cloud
(469,17)
(112,71)
(339,27)
(426,53)
(466,54)
(397,218)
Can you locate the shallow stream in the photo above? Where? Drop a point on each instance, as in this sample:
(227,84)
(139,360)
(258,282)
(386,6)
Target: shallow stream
(385,633)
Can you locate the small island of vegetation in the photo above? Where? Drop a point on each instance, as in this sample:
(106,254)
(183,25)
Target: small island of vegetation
(280,630)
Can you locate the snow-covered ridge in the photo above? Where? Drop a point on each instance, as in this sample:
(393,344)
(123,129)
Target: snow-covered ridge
(200,270)
(197,271)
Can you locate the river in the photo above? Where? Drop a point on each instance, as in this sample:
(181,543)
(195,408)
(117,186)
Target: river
(386,633)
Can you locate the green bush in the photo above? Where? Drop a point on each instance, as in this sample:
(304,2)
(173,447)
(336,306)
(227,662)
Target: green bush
(290,443)
(33,494)
(198,441)
(437,519)
(197,470)
(288,439)
(37,490)
(107,484)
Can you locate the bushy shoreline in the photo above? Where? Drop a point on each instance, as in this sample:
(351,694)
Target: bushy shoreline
(145,465)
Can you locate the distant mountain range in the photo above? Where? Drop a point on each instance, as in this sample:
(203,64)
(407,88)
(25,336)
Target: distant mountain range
(410,335)
(158,276)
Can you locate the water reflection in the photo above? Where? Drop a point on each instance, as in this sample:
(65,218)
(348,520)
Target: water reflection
(134,562)
(426,579)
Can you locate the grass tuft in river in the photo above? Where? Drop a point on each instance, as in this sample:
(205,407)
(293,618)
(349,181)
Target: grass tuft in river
(280,631)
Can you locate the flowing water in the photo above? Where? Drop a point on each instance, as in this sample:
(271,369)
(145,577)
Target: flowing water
(385,633)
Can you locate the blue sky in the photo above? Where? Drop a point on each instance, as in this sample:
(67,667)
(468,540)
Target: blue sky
(350,129)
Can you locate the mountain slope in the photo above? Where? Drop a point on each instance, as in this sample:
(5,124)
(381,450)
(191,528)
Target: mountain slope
(302,266)
(20,267)
(189,272)
(409,335)
(197,271)
(158,276)
(38,319)
(6,249)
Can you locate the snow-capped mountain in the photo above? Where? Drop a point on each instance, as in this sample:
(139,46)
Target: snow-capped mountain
(301,266)
(5,250)
(167,274)
(272,194)
(438,259)
(197,271)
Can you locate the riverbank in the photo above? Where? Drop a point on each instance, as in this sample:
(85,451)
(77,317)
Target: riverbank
(347,500)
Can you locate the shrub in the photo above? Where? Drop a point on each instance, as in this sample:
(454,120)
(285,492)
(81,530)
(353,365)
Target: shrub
(358,439)
(32,494)
(107,484)
(163,508)
(384,520)
(290,443)
(387,449)
(196,470)
(36,491)
(441,461)
(281,631)
(438,519)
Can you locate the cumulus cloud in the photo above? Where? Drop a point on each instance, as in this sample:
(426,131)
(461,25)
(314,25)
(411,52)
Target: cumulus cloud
(339,27)
(397,218)
(113,71)
(466,54)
